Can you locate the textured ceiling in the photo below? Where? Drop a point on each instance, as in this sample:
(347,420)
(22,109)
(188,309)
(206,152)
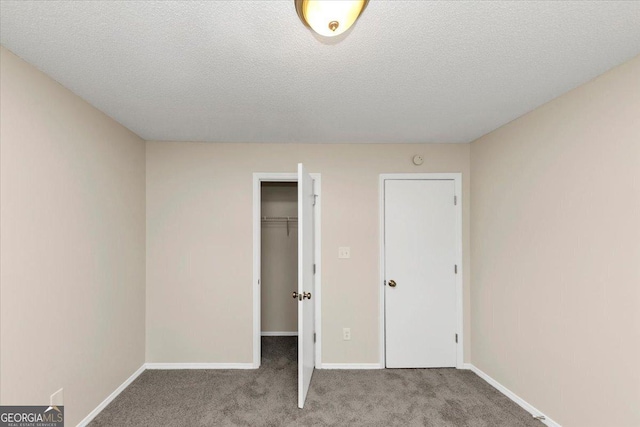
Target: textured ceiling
(246,71)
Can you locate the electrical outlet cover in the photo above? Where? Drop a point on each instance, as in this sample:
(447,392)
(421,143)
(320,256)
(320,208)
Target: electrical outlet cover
(344,252)
(346,334)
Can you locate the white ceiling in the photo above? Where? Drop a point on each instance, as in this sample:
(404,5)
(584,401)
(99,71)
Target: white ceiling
(249,71)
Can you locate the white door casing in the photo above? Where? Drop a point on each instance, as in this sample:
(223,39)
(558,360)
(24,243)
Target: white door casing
(421,255)
(306,289)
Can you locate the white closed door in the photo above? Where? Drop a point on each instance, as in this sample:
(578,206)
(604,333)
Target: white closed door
(306,256)
(420,257)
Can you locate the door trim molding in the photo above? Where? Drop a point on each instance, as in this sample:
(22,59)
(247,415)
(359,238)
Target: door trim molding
(258,178)
(457,179)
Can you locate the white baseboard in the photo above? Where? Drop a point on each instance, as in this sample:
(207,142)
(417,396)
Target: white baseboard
(466,366)
(110,398)
(351,366)
(511,395)
(199,366)
(279,334)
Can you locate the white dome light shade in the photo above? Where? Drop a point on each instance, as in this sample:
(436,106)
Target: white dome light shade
(330,17)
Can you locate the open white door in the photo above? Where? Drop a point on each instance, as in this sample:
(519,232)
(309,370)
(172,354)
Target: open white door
(306,256)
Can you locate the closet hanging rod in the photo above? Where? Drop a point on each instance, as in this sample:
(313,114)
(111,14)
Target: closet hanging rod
(284,219)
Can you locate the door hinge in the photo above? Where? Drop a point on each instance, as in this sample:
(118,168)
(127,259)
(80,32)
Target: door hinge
(456,338)
(455,200)
(455,268)
(313,191)
(314,269)
(258,282)
(314,337)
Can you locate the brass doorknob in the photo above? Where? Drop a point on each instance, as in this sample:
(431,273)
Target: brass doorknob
(392,283)
(306,295)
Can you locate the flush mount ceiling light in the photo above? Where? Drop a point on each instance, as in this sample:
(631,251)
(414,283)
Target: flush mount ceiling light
(330,17)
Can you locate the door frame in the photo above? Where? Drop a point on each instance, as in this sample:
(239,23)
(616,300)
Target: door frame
(258,179)
(457,179)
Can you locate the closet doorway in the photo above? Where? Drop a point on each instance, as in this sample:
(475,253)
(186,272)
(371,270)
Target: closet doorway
(279,258)
(287,269)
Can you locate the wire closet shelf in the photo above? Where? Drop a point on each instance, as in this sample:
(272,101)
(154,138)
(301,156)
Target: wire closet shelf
(280,219)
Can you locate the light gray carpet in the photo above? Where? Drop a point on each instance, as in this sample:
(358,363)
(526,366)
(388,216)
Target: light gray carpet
(268,397)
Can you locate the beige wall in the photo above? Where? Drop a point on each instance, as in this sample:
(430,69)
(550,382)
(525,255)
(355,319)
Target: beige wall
(555,295)
(279,257)
(72,245)
(199,242)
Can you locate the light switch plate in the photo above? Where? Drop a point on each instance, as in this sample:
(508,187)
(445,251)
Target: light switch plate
(344,252)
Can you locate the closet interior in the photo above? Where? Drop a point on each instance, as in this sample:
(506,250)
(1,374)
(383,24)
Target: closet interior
(279,261)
